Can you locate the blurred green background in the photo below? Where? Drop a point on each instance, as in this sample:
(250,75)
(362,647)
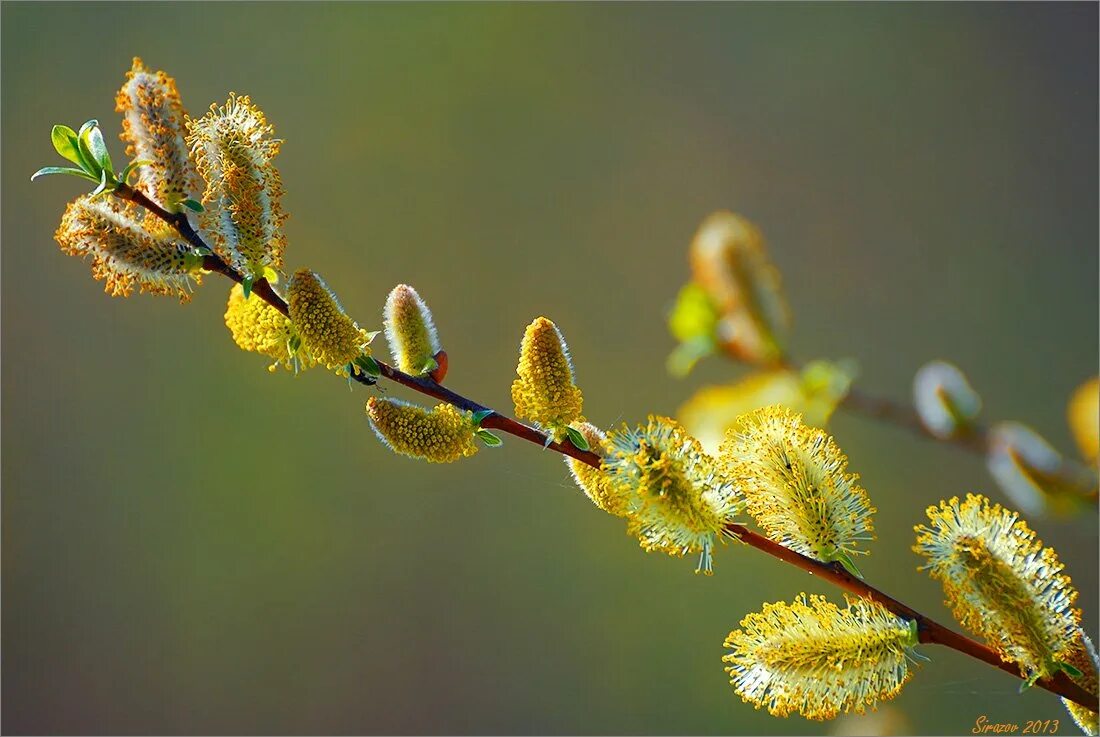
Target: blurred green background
(193,545)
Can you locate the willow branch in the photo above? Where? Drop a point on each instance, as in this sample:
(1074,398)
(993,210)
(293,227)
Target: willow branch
(976,438)
(929,631)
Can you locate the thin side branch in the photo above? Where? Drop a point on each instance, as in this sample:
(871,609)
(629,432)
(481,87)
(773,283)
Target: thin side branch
(929,631)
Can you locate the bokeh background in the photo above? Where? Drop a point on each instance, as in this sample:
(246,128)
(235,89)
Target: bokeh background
(193,545)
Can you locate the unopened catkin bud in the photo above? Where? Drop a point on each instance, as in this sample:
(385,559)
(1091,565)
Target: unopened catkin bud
(545,392)
(331,337)
(944,399)
(154,130)
(410,331)
(234,148)
(125,252)
(818,660)
(1028,469)
(1001,583)
(729,260)
(440,435)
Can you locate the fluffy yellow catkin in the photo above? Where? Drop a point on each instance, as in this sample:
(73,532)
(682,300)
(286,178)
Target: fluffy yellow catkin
(1083,657)
(594,482)
(234,149)
(1001,583)
(674,498)
(1083,414)
(410,330)
(124,252)
(258,327)
(441,435)
(331,337)
(729,261)
(545,392)
(818,660)
(795,481)
(154,130)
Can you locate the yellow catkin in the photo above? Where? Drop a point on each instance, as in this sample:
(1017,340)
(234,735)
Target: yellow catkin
(258,327)
(812,658)
(545,392)
(1084,418)
(1082,656)
(441,435)
(331,337)
(670,491)
(410,330)
(234,150)
(1000,582)
(795,481)
(124,252)
(594,482)
(729,260)
(154,130)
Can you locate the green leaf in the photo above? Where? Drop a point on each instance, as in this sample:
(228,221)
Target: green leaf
(914,632)
(684,357)
(1070,670)
(294,344)
(430,365)
(102,184)
(576,438)
(844,560)
(193,205)
(480,415)
(88,159)
(98,148)
(131,168)
(489,439)
(64,142)
(47,170)
(369,365)
(246,285)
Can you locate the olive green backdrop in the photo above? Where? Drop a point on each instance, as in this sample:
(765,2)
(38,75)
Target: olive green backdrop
(191,544)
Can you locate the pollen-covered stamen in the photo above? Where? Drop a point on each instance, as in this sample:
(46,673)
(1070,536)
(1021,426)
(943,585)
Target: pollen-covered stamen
(818,660)
(332,338)
(1001,583)
(674,498)
(795,481)
(258,327)
(125,252)
(545,392)
(440,435)
(154,130)
(234,149)
(410,331)
(594,482)
(729,261)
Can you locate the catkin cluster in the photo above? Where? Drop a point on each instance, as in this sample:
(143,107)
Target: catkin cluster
(676,494)
(125,252)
